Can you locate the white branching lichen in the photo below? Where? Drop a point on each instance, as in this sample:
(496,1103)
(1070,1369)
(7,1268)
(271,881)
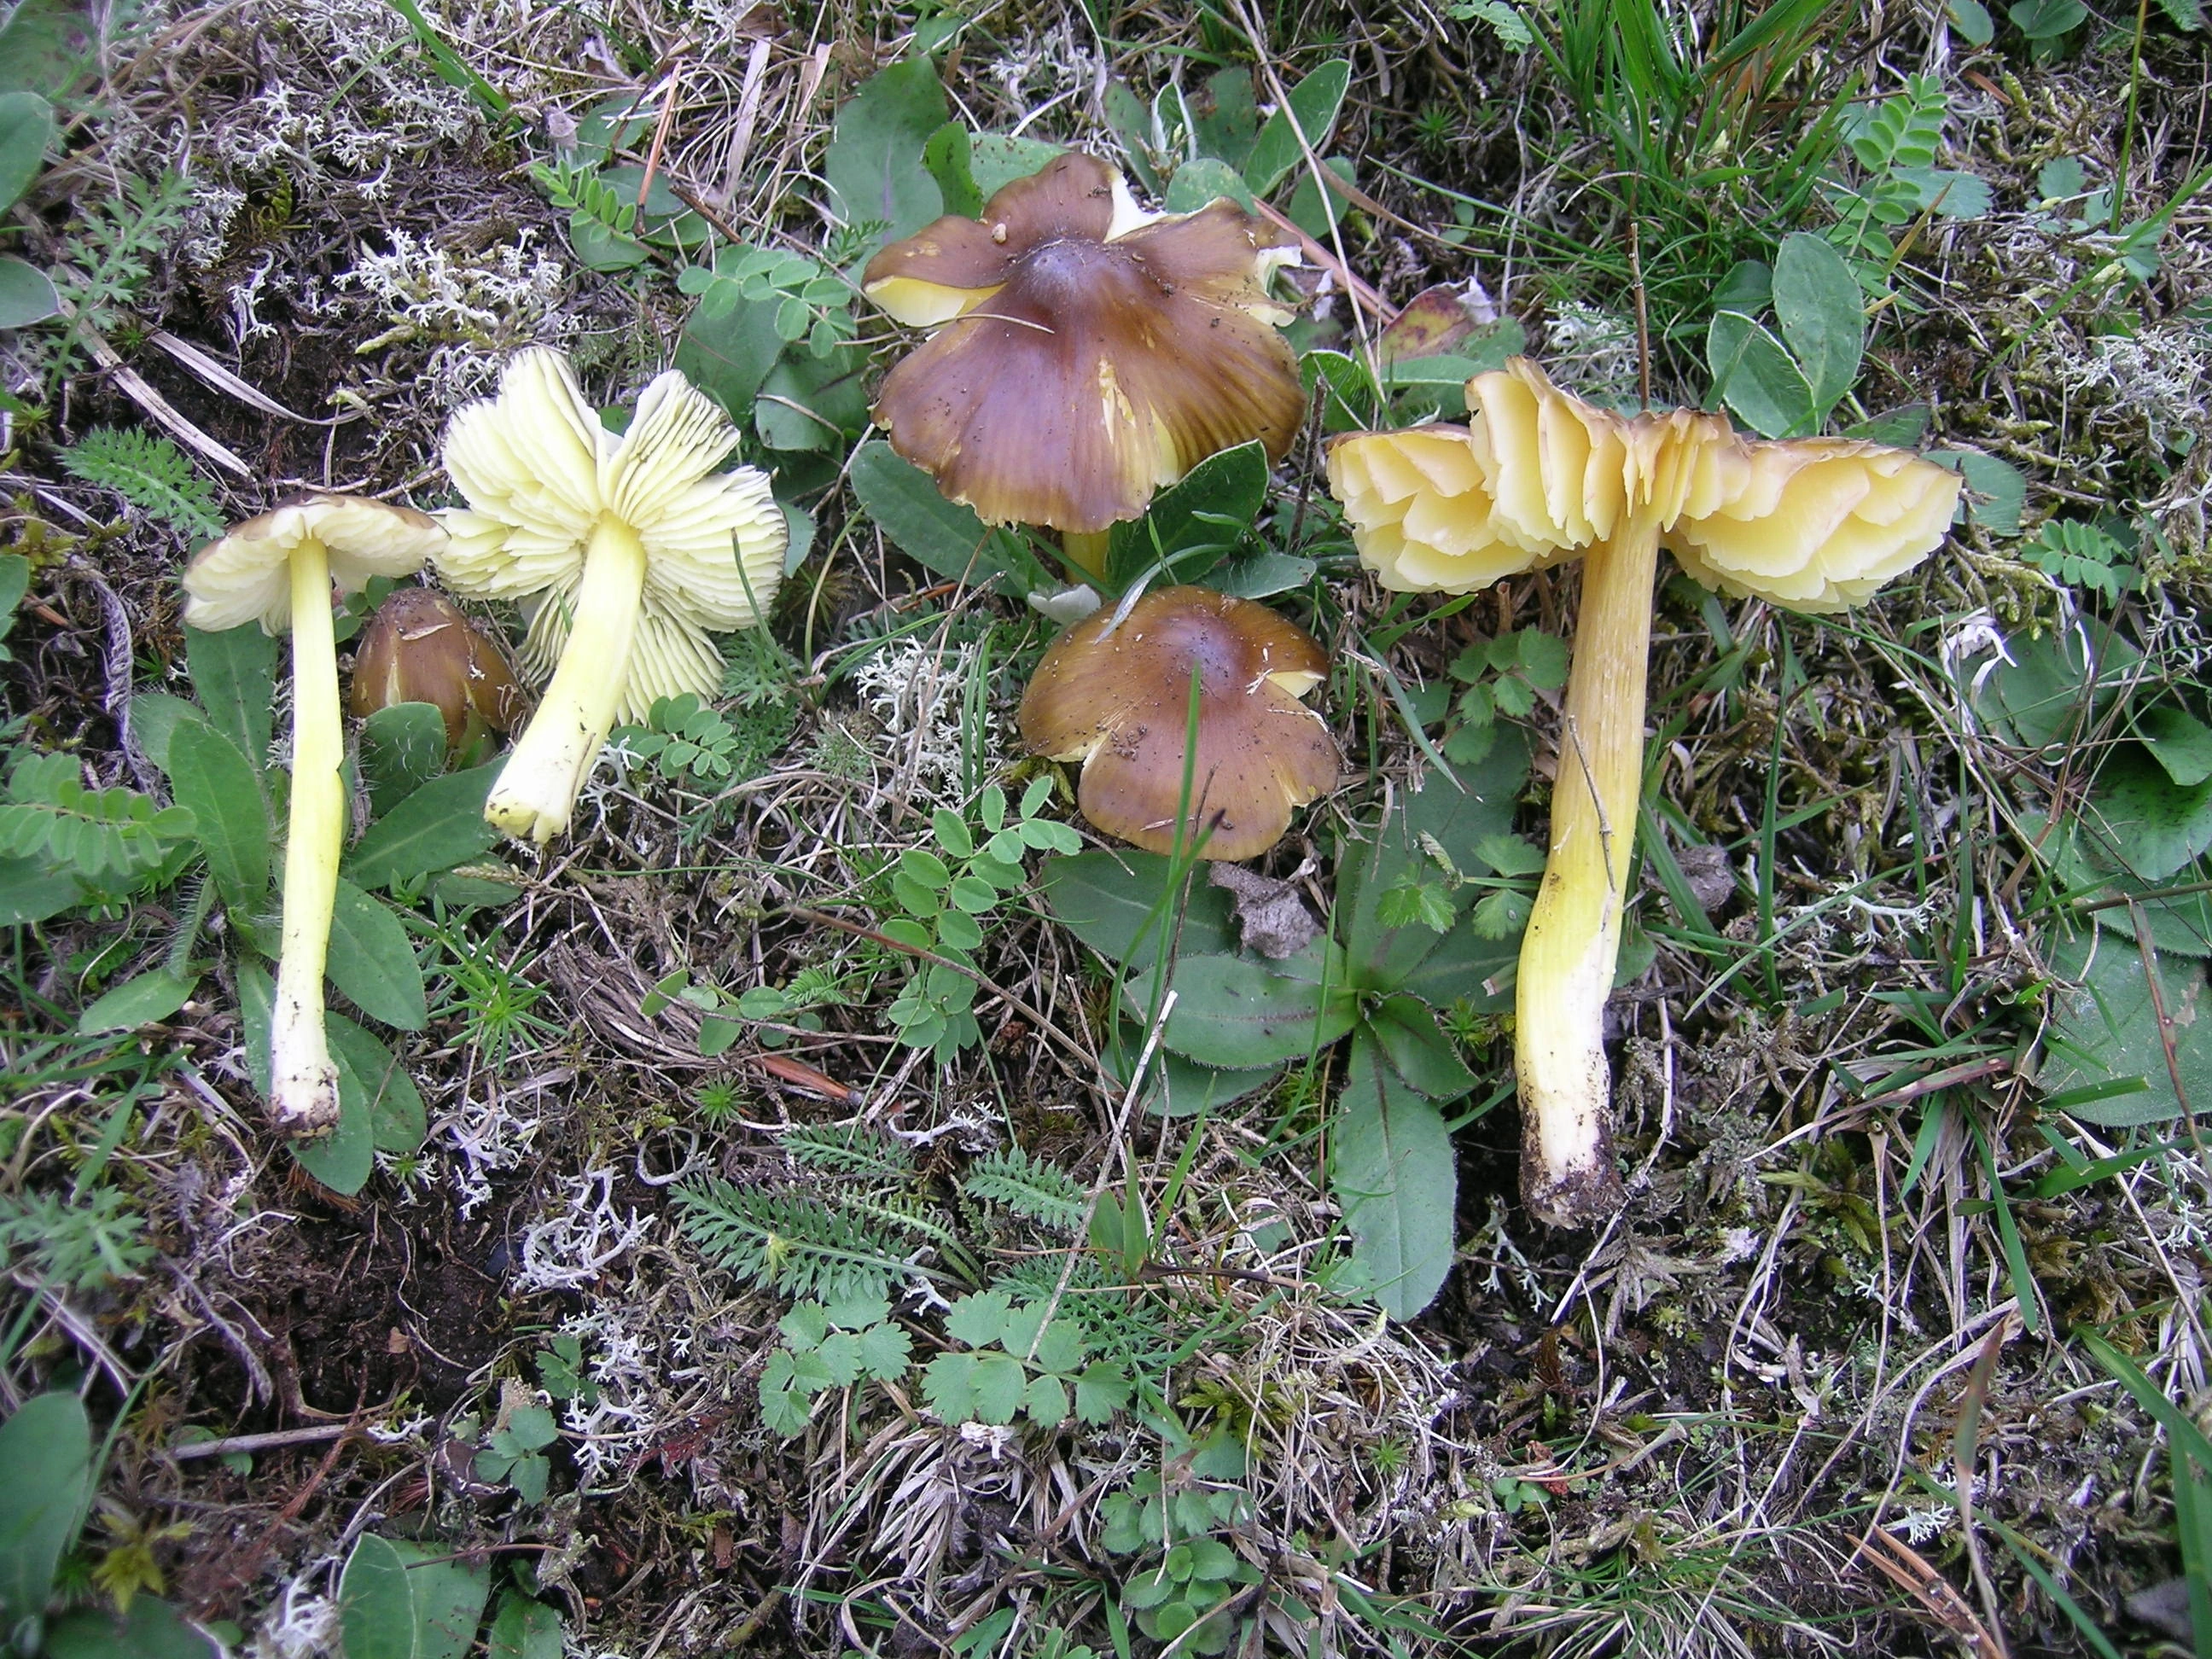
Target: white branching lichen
(917,693)
(583,1234)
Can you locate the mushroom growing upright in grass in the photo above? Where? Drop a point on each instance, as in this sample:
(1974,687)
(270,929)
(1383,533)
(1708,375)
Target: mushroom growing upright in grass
(420,647)
(1086,354)
(1114,692)
(632,549)
(278,569)
(1538,475)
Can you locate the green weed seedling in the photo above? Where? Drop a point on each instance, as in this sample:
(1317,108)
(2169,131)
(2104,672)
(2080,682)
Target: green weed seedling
(771,338)
(1895,141)
(48,1475)
(829,1345)
(2081,555)
(1014,1362)
(947,895)
(1503,676)
(1194,1571)
(401,1599)
(854,1240)
(687,742)
(513,1452)
(81,1243)
(561,1373)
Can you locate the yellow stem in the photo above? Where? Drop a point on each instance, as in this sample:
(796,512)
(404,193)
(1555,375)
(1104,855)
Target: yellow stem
(1573,941)
(538,788)
(1086,552)
(303,1084)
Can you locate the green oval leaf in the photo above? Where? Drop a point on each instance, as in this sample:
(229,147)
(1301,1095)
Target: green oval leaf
(1238,1014)
(1392,1169)
(374,1086)
(439,826)
(372,961)
(376,1606)
(46,1479)
(141,1001)
(214,781)
(1822,313)
(1314,103)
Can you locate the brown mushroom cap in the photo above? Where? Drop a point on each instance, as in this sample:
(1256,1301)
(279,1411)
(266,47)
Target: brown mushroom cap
(1118,699)
(1077,369)
(421,647)
(246,575)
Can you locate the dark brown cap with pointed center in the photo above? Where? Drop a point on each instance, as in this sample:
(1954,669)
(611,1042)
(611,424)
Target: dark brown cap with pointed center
(420,647)
(1088,354)
(1118,699)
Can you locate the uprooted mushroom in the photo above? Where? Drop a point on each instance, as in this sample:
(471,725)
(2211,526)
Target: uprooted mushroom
(632,549)
(278,569)
(1538,475)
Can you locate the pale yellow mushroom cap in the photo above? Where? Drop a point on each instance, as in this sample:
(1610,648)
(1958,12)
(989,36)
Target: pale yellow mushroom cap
(539,472)
(1538,475)
(1421,512)
(1818,524)
(246,576)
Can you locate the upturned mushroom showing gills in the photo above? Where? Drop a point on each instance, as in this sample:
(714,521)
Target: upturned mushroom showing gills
(632,549)
(278,569)
(1114,692)
(1538,475)
(1086,354)
(420,647)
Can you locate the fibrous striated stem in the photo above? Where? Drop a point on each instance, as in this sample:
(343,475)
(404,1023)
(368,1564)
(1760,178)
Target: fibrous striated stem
(1573,941)
(537,790)
(303,1083)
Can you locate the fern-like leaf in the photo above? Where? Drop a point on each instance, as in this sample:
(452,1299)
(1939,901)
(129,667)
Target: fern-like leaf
(1114,1323)
(799,1246)
(848,1150)
(1029,1188)
(149,472)
(95,833)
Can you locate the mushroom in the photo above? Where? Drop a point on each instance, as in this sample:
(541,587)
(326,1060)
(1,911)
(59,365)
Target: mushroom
(1085,353)
(278,569)
(1114,692)
(1537,475)
(631,548)
(420,647)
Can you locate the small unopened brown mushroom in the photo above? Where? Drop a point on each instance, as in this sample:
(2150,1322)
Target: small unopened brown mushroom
(1087,354)
(1115,694)
(421,647)
(1538,475)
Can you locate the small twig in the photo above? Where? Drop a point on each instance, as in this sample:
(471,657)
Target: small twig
(185,1450)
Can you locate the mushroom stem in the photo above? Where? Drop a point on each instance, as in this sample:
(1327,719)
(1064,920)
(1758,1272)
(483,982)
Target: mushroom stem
(1086,550)
(537,790)
(303,1083)
(1568,954)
